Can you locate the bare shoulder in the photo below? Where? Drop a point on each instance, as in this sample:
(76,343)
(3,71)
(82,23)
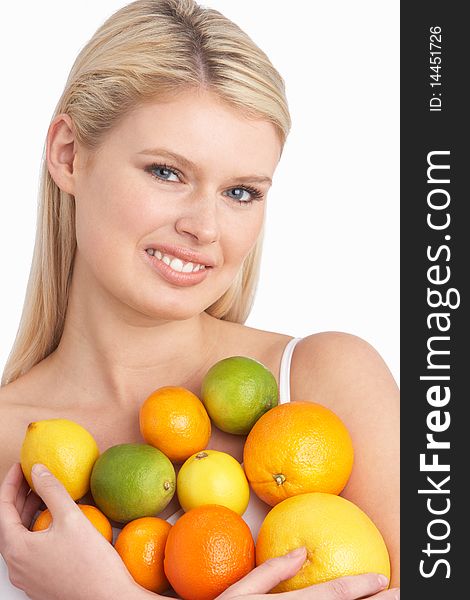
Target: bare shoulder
(339,368)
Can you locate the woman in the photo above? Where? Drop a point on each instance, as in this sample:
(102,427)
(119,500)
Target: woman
(159,159)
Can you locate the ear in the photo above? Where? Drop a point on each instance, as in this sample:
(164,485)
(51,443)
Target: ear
(61,150)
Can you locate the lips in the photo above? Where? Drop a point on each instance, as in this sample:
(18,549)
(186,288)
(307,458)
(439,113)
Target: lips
(177,264)
(185,254)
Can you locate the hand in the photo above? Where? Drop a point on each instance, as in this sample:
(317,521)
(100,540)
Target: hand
(262,579)
(71,559)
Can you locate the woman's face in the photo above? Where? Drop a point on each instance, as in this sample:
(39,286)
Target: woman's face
(172,203)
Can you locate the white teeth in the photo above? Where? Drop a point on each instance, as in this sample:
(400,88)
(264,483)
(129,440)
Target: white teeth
(177,265)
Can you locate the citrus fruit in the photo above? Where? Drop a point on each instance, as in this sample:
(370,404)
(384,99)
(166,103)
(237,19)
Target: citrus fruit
(130,481)
(141,545)
(296,448)
(339,537)
(174,420)
(93,514)
(208,549)
(213,477)
(236,391)
(66,448)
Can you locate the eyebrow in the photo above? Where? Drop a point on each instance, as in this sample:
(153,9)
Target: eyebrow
(185,162)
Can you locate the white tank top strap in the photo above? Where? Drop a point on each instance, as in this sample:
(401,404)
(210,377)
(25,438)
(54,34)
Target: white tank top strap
(284,372)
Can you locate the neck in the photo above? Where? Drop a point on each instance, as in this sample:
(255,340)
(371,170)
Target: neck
(112,354)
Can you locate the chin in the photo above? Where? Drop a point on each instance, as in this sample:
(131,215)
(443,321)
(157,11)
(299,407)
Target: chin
(172,312)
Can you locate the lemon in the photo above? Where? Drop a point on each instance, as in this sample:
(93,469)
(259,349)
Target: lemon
(212,477)
(237,391)
(66,448)
(130,481)
(340,539)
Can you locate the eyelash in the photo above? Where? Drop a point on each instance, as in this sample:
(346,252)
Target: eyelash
(256,194)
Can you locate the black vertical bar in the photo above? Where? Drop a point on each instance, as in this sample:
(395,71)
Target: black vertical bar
(434,299)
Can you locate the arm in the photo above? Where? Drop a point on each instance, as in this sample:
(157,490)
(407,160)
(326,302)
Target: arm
(72,560)
(348,376)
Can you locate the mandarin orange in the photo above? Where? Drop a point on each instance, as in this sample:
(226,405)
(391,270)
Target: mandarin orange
(175,421)
(93,514)
(208,549)
(297,448)
(141,545)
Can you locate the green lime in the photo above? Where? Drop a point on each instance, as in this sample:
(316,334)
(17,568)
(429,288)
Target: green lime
(237,391)
(130,481)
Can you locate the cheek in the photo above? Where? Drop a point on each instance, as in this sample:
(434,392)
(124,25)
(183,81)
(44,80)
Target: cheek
(108,220)
(110,217)
(240,238)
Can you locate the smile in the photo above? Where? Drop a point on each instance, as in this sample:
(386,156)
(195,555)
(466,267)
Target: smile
(176,263)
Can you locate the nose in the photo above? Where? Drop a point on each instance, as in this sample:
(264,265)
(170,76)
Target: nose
(200,221)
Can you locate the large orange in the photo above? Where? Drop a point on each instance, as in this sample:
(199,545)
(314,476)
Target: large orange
(92,513)
(141,545)
(295,448)
(339,537)
(175,421)
(208,549)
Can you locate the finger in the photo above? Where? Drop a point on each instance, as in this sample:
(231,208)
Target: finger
(11,484)
(9,516)
(267,575)
(31,507)
(350,587)
(22,495)
(54,494)
(393,594)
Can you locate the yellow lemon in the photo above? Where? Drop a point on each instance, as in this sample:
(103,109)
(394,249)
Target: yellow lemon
(66,448)
(212,477)
(340,539)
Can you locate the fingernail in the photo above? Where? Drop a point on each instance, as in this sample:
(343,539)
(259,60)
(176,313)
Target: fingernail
(297,552)
(383,581)
(39,470)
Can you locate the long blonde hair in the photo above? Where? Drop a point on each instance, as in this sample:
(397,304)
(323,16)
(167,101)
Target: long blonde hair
(145,51)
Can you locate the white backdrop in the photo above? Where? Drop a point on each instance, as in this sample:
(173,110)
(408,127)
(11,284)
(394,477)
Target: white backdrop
(331,258)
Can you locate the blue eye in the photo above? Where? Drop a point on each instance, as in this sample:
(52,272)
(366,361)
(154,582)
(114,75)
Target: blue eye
(163,172)
(244,195)
(240,194)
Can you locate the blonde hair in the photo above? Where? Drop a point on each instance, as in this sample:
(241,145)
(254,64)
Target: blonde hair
(145,51)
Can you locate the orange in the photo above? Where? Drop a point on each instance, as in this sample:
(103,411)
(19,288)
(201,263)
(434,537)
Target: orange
(93,514)
(174,420)
(141,545)
(339,537)
(297,448)
(208,549)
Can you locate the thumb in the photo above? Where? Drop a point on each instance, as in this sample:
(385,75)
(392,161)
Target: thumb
(53,493)
(267,575)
